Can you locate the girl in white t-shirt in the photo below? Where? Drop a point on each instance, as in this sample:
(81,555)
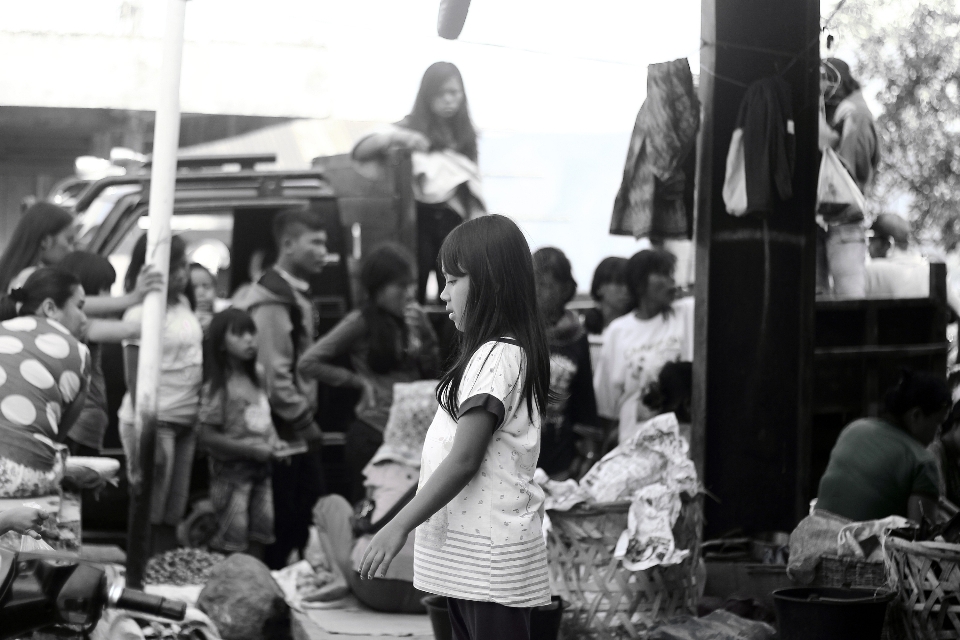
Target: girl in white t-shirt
(478,512)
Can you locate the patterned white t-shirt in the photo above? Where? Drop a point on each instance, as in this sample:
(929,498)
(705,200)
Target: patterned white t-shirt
(487,543)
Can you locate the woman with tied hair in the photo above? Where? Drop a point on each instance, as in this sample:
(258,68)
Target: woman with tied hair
(44,370)
(446,177)
(879,467)
(388,340)
(43,236)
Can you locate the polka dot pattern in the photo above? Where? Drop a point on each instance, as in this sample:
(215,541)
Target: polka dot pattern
(18,410)
(10,345)
(42,368)
(53,345)
(23,323)
(69,386)
(36,374)
(53,416)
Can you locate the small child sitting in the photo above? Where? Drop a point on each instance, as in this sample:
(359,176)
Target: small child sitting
(239,435)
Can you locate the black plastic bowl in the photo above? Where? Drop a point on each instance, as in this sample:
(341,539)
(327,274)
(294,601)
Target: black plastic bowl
(815,613)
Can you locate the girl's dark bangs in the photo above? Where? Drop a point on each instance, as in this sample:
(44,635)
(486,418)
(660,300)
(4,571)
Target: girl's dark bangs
(240,324)
(451,256)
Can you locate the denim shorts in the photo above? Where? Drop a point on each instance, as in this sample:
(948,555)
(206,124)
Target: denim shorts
(242,498)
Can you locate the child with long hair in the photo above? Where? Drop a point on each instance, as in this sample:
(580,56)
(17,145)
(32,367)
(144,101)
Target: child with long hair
(237,431)
(441,135)
(478,511)
(388,340)
(178,396)
(44,234)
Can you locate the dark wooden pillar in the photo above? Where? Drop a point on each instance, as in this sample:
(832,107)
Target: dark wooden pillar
(755,276)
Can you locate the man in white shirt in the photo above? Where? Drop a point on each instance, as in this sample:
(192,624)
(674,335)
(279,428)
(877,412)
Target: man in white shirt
(895,270)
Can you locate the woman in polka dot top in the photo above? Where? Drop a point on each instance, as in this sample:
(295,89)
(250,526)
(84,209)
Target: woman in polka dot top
(43,379)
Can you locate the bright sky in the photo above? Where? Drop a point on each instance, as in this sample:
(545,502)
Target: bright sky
(554,85)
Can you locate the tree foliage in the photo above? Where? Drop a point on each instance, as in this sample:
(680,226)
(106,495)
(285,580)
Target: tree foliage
(910,49)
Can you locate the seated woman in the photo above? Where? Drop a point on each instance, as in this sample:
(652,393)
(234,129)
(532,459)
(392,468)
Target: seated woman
(879,467)
(946,453)
(44,370)
(573,407)
(638,344)
(611,294)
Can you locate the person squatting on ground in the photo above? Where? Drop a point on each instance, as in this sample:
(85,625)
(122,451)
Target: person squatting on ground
(637,345)
(389,340)
(97,275)
(946,454)
(447,179)
(478,511)
(45,372)
(238,433)
(572,405)
(178,397)
(283,314)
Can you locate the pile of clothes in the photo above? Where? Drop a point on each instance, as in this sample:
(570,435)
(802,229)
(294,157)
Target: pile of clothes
(652,470)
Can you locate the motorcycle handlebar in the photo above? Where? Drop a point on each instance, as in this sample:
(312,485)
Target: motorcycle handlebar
(153,605)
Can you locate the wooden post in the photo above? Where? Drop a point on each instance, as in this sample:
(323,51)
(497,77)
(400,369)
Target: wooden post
(755,276)
(162,183)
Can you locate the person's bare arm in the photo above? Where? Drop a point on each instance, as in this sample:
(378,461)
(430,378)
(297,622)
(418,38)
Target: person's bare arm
(98,306)
(920,507)
(131,359)
(474,430)
(114,331)
(375,145)
(227,448)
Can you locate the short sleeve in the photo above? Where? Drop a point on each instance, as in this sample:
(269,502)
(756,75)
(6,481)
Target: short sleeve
(926,480)
(493,380)
(133,314)
(211,407)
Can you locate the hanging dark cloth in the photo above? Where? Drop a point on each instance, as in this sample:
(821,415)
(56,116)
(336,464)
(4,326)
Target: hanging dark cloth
(766,157)
(651,198)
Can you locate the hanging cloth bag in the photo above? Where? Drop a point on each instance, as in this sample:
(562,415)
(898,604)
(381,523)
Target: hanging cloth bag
(837,192)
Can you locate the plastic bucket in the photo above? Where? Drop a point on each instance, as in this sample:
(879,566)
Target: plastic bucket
(812,613)
(544,621)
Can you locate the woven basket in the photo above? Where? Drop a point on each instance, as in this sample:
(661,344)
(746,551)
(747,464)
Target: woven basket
(847,573)
(928,575)
(605,599)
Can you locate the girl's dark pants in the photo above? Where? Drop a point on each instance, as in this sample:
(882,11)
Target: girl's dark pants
(434,222)
(472,620)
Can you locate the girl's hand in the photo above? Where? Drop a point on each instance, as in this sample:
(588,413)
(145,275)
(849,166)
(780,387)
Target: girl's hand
(23,520)
(368,397)
(382,550)
(261,451)
(414,141)
(149,280)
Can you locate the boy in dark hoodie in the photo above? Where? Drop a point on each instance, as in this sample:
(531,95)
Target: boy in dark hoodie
(284,316)
(571,377)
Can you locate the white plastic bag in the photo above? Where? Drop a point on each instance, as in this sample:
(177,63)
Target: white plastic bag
(836,189)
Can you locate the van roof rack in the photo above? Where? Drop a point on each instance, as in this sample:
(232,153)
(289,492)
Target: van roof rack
(245,160)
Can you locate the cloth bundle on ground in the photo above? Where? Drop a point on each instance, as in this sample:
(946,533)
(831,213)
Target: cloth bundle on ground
(823,533)
(719,625)
(652,470)
(414,406)
(651,198)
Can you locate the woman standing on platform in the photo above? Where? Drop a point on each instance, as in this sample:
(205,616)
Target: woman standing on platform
(446,182)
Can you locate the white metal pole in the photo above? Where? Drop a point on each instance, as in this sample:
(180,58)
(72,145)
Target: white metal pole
(166,139)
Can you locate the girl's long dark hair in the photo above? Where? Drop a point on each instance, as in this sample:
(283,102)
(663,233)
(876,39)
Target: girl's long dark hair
(216,361)
(138,258)
(23,248)
(387,334)
(423,119)
(42,284)
(501,302)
